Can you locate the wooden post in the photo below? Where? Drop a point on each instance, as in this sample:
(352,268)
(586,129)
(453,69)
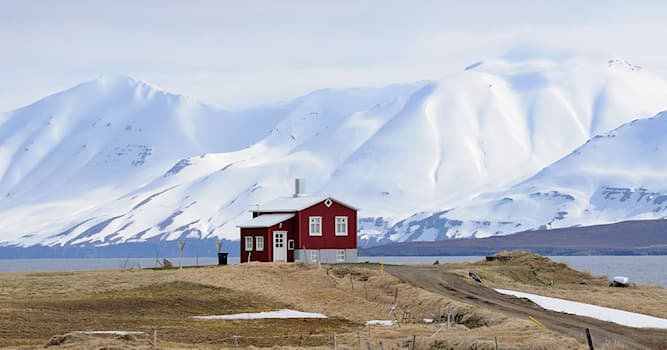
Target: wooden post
(365,291)
(155,337)
(381,346)
(382,263)
(351,281)
(236,341)
(496,339)
(181,245)
(369,331)
(358,337)
(249,256)
(334,341)
(590,339)
(449,316)
(414,339)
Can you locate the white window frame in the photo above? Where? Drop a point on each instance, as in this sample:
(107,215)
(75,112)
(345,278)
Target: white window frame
(248,243)
(259,243)
(344,221)
(314,220)
(314,256)
(290,244)
(340,255)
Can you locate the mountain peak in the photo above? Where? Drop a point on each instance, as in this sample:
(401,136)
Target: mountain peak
(118,81)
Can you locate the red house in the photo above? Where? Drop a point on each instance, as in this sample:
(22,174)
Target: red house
(308,229)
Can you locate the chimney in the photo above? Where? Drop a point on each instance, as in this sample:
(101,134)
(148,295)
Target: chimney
(299,187)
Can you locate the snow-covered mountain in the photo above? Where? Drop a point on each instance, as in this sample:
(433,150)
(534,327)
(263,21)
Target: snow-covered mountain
(117,160)
(617,176)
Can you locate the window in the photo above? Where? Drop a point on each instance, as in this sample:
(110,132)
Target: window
(340,255)
(341,225)
(313,256)
(315,226)
(248,243)
(290,244)
(259,243)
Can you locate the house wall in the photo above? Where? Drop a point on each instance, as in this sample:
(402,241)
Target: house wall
(328,240)
(287,225)
(267,233)
(255,255)
(324,256)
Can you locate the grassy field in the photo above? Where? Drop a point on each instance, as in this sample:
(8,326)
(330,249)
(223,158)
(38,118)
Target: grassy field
(34,307)
(536,274)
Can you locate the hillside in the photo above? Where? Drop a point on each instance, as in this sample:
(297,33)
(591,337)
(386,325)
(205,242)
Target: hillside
(615,176)
(624,238)
(117,160)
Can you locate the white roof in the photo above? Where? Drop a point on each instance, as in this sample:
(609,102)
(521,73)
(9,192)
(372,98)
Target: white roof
(292,204)
(266,220)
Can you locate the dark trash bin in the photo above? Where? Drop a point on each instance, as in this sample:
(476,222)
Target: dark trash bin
(222,258)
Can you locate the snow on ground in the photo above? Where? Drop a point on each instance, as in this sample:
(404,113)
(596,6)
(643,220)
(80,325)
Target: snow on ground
(624,318)
(386,323)
(284,313)
(112,333)
(116,160)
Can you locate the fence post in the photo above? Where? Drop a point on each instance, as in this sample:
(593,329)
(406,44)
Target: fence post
(414,339)
(449,316)
(590,339)
(334,341)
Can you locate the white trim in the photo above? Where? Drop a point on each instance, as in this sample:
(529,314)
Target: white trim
(314,256)
(290,204)
(311,222)
(248,243)
(290,244)
(282,247)
(259,243)
(340,257)
(343,222)
(266,220)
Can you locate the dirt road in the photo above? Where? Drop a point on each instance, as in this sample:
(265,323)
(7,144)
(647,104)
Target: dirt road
(458,288)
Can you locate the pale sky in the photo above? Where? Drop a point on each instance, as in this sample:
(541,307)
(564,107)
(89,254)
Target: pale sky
(239,53)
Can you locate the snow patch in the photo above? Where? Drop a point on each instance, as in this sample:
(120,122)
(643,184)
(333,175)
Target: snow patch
(384,323)
(624,318)
(284,313)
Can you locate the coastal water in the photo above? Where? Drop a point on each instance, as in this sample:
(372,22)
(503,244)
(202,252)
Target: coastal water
(640,269)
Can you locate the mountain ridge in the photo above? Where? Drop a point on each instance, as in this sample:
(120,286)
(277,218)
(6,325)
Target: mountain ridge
(168,167)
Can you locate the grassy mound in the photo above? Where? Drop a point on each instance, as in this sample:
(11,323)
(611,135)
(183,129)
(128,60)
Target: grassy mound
(532,269)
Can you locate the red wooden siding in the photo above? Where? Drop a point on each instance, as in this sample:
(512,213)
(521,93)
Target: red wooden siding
(267,233)
(328,240)
(298,228)
(264,255)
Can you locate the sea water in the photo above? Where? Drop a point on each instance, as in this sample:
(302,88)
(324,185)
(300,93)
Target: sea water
(650,269)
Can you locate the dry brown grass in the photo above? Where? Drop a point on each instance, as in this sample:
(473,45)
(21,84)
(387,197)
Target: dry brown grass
(36,306)
(532,273)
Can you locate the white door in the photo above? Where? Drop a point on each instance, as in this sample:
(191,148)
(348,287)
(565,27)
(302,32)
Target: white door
(279,246)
